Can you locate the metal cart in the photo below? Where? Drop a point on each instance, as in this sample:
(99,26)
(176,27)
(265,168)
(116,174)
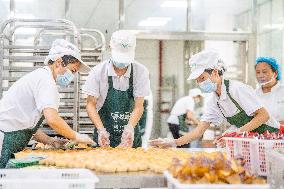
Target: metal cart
(22,53)
(93,47)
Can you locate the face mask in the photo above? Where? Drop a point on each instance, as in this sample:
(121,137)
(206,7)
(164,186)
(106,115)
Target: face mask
(262,83)
(208,86)
(65,79)
(119,65)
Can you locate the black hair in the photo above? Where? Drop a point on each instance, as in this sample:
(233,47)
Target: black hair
(220,72)
(66,59)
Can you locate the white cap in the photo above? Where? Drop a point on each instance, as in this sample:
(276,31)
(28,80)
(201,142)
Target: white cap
(207,59)
(123,43)
(195,92)
(61,47)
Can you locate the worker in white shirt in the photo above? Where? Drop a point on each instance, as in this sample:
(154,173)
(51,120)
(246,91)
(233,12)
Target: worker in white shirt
(35,97)
(116,89)
(233,102)
(182,112)
(269,90)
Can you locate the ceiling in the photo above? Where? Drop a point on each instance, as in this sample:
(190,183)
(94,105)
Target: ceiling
(104,14)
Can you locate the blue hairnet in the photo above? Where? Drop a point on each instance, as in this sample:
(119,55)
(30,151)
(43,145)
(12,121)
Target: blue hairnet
(273,63)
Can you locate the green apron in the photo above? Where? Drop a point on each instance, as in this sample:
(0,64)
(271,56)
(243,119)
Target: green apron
(242,118)
(116,111)
(182,125)
(16,141)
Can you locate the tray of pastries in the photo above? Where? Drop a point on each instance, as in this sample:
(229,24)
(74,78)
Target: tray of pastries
(213,168)
(110,160)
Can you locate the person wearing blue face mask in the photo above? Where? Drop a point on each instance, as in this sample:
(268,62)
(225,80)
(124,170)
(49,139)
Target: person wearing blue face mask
(232,102)
(116,89)
(35,97)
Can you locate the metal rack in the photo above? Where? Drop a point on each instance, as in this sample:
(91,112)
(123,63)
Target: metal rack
(92,48)
(17,59)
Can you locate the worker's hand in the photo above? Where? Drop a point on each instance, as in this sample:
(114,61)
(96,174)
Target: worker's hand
(103,137)
(163,143)
(57,143)
(127,136)
(83,138)
(219,141)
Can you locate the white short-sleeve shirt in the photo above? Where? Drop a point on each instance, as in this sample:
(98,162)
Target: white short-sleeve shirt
(97,81)
(243,94)
(273,101)
(22,105)
(182,106)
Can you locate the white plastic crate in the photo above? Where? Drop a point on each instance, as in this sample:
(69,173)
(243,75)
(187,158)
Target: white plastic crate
(47,179)
(175,184)
(252,150)
(275,163)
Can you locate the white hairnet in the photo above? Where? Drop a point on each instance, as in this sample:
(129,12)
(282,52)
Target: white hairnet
(61,47)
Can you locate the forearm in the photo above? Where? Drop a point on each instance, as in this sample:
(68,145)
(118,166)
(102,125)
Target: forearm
(58,124)
(41,137)
(195,121)
(190,116)
(261,117)
(193,135)
(94,116)
(135,116)
(62,128)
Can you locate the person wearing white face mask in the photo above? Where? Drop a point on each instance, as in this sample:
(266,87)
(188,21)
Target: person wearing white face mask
(269,90)
(116,89)
(35,97)
(232,102)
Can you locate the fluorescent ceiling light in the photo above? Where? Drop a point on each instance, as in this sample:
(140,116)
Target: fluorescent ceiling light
(26,31)
(25,41)
(29,16)
(155,21)
(174,4)
(160,18)
(274,26)
(19,1)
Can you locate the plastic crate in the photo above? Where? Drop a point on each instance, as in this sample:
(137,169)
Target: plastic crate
(47,178)
(175,184)
(253,151)
(275,162)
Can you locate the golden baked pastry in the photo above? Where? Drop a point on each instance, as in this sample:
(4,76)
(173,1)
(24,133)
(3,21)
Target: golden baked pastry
(212,168)
(110,159)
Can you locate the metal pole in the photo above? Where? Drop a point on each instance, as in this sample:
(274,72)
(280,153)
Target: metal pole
(1,64)
(243,61)
(77,41)
(188,16)
(66,13)
(13,38)
(121,13)
(252,50)
(67,9)
(12,8)
(160,86)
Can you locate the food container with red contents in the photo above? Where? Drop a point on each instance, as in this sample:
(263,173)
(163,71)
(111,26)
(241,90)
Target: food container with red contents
(252,147)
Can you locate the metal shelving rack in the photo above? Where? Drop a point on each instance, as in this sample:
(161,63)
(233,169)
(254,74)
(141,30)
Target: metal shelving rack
(17,59)
(92,55)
